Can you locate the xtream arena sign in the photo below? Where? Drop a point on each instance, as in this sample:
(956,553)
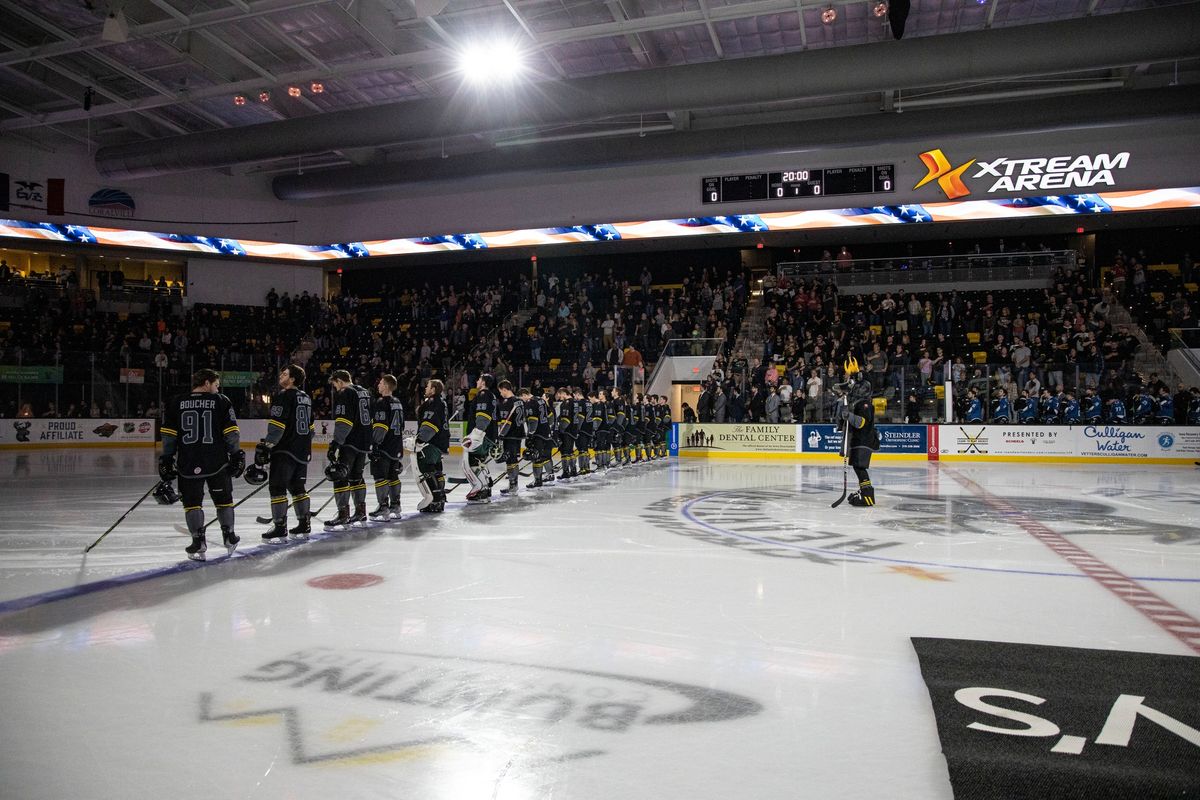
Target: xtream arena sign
(1023,174)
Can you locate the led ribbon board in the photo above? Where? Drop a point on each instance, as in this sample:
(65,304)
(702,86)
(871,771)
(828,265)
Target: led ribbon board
(958,211)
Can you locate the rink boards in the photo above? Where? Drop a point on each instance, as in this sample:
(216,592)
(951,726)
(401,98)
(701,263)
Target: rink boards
(1102,444)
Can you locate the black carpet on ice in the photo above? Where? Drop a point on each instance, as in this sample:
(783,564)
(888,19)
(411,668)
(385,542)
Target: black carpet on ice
(1138,714)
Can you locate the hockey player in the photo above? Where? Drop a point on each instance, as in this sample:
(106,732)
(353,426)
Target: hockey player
(478,443)
(583,426)
(601,436)
(348,450)
(1092,409)
(1193,412)
(664,410)
(1143,406)
(1116,411)
(972,407)
(1027,408)
(538,443)
(620,426)
(287,448)
(201,430)
(567,433)
(858,413)
(1165,407)
(431,443)
(1070,409)
(1048,407)
(1001,410)
(510,427)
(387,448)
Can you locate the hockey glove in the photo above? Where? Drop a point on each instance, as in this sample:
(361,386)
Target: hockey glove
(237,462)
(473,440)
(332,454)
(262,454)
(166,468)
(376,455)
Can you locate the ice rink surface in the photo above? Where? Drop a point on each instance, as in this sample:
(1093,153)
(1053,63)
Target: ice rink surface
(682,629)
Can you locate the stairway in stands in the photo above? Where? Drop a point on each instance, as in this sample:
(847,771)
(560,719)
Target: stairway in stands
(1148,359)
(750,338)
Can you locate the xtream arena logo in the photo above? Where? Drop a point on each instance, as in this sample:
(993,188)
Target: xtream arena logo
(1023,174)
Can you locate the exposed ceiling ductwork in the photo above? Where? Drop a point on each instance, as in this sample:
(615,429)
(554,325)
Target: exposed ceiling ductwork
(1101,42)
(1162,106)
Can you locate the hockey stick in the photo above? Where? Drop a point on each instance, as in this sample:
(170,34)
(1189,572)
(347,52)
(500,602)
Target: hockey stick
(845,462)
(311,514)
(88,549)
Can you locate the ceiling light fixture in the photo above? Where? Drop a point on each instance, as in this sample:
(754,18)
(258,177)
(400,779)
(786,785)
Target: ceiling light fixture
(264,97)
(881,10)
(293,91)
(239,99)
(317,87)
(495,62)
(829,15)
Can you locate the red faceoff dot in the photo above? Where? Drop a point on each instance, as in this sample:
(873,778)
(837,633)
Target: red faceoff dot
(345,580)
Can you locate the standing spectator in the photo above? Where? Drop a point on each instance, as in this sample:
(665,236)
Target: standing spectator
(720,401)
(689,416)
(815,387)
(771,405)
(845,260)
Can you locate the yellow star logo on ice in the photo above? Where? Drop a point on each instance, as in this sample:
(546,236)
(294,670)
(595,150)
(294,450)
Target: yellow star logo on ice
(918,573)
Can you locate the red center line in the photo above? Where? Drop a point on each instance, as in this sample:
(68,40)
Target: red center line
(1178,623)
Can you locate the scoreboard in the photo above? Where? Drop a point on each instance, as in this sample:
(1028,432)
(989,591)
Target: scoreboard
(799,183)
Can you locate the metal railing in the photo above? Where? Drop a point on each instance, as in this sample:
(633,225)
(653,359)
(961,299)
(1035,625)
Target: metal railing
(927,270)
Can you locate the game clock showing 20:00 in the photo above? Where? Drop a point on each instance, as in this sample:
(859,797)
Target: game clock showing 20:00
(798,183)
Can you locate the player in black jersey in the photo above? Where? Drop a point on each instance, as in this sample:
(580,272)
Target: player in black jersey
(349,448)
(620,427)
(555,440)
(510,427)
(288,449)
(665,422)
(387,448)
(859,416)
(480,416)
(567,433)
(430,444)
(596,421)
(604,434)
(581,424)
(538,444)
(201,430)
(638,427)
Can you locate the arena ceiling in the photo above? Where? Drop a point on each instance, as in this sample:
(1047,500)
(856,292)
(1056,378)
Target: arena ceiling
(165,75)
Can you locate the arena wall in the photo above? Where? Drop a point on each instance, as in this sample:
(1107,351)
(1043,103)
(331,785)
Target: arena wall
(240,205)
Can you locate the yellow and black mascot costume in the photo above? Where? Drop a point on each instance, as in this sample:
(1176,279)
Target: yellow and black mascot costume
(859,416)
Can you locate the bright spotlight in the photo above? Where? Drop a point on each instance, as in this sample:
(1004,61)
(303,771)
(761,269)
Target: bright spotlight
(496,62)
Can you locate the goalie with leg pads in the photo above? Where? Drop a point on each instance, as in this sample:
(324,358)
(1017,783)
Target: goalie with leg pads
(477,445)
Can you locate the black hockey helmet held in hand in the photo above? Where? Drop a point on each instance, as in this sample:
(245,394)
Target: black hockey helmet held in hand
(337,471)
(165,494)
(255,475)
